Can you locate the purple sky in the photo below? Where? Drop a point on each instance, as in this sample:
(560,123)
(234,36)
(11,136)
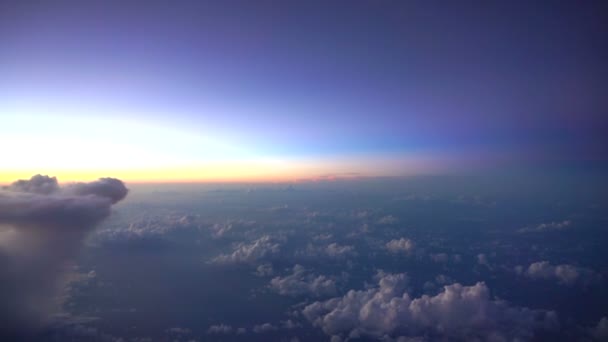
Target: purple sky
(462,82)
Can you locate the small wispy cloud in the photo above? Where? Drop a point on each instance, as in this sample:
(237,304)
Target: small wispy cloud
(545,227)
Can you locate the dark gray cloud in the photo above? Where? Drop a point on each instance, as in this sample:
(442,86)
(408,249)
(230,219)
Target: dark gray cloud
(33,210)
(110,188)
(38,184)
(42,226)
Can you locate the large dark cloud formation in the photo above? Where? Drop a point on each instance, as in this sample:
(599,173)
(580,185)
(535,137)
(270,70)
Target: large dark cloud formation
(42,226)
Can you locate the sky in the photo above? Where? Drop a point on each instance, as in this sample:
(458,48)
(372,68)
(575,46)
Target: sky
(235,170)
(285,91)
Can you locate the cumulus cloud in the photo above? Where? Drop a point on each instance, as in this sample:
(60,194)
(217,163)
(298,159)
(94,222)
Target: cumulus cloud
(543,227)
(248,253)
(230,228)
(433,286)
(300,282)
(442,279)
(264,270)
(336,250)
(42,226)
(458,312)
(402,245)
(333,250)
(565,274)
(110,188)
(38,184)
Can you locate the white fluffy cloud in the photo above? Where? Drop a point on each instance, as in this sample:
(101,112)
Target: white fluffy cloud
(458,312)
(248,253)
(301,282)
(565,274)
(402,245)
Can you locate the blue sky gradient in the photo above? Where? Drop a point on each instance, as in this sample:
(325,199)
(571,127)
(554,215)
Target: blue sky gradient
(513,83)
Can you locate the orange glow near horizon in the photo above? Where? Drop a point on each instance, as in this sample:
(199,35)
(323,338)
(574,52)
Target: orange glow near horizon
(78,148)
(262,171)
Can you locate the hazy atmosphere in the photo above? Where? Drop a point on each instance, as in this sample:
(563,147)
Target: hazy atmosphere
(303,171)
